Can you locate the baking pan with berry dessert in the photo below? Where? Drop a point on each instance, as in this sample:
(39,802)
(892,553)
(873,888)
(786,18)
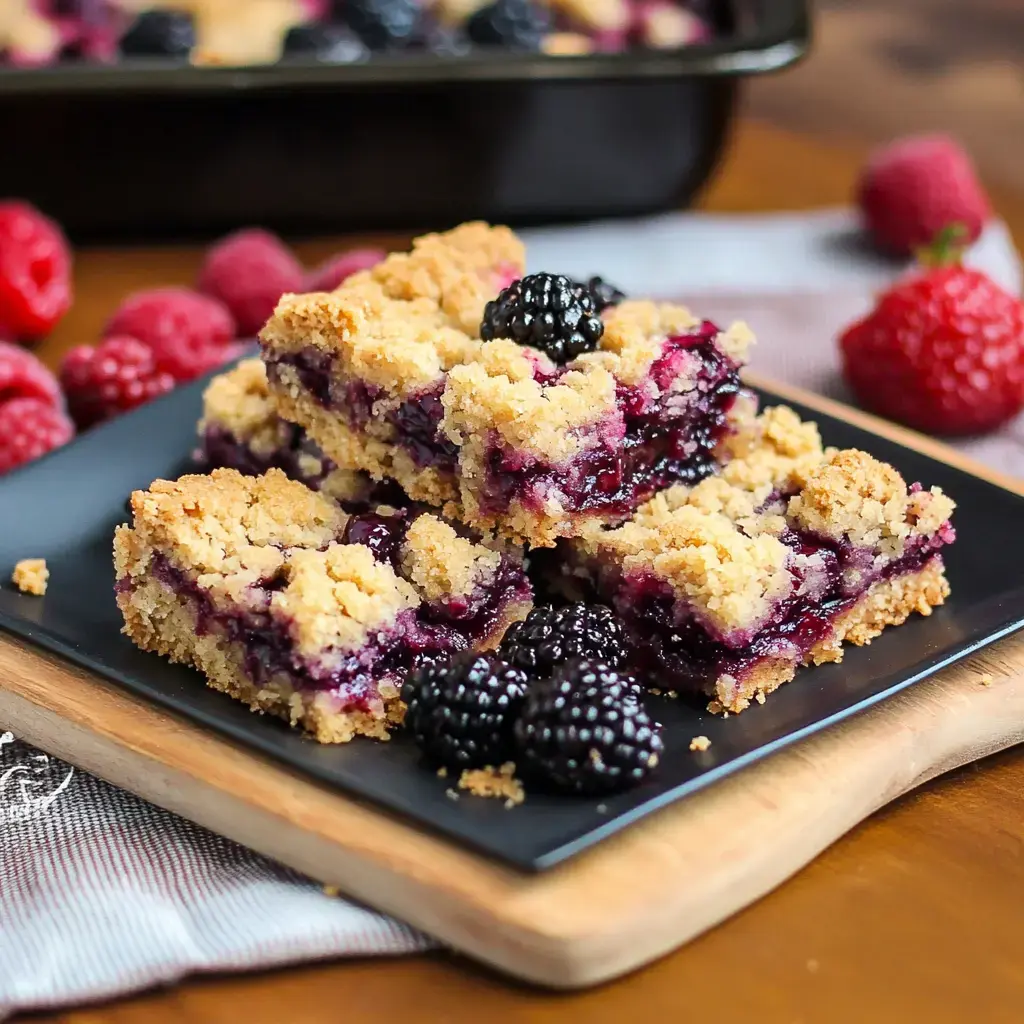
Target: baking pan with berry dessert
(193,116)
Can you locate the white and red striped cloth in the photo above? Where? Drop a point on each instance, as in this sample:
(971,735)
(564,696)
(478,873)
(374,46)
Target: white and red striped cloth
(102,893)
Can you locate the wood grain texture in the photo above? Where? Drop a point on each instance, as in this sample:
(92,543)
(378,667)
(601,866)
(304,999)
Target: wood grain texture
(913,916)
(597,916)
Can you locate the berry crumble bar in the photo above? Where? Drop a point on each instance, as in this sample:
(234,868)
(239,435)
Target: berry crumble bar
(389,374)
(291,605)
(728,586)
(241,429)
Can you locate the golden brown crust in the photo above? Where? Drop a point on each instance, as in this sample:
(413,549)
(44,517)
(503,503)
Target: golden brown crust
(441,563)
(886,603)
(31,576)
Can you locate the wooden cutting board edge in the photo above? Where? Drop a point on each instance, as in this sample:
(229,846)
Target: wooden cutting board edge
(628,901)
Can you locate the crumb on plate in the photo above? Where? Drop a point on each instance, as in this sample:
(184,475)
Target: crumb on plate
(494,782)
(31,576)
(700,743)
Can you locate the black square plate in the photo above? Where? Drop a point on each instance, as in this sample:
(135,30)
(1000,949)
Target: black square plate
(64,508)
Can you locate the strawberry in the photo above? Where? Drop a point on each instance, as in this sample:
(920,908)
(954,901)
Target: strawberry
(942,351)
(911,189)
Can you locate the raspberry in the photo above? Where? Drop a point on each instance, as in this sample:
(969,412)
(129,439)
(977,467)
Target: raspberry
(912,189)
(30,427)
(117,375)
(329,274)
(547,312)
(184,330)
(585,731)
(461,713)
(942,351)
(249,271)
(550,636)
(22,375)
(35,272)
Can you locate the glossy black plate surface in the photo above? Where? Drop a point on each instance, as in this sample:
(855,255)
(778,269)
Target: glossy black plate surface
(64,508)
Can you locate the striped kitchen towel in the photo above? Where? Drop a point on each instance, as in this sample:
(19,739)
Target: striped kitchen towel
(102,894)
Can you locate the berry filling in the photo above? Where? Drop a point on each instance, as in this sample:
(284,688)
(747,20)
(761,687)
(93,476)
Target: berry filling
(416,421)
(221,448)
(673,645)
(649,443)
(655,436)
(435,630)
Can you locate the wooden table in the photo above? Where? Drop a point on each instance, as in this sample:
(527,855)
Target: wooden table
(915,916)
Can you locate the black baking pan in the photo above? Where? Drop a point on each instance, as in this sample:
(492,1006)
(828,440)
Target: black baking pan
(65,506)
(130,151)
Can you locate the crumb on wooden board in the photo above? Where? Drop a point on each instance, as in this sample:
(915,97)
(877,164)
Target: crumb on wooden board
(31,576)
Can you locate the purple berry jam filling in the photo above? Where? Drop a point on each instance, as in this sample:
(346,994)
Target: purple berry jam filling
(416,421)
(672,645)
(434,630)
(220,448)
(666,440)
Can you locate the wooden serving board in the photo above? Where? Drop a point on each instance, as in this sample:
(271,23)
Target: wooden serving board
(627,901)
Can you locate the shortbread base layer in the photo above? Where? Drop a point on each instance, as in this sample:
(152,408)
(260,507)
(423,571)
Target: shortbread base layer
(887,603)
(161,621)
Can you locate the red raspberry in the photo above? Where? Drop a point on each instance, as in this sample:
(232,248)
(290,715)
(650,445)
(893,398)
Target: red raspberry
(249,271)
(183,329)
(943,352)
(30,427)
(329,274)
(24,376)
(117,375)
(35,272)
(911,189)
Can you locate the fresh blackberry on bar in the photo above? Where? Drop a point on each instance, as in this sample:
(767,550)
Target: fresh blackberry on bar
(382,24)
(512,24)
(585,731)
(333,44)
(461,713)
(550,636)
(547,312)
(604,293)
(160,33)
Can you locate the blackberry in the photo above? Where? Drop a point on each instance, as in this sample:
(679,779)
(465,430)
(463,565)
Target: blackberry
(512,24)
(585,731)
(548,312)
(383,24)
(333,44)
(550,636)
(160,33)
(604,293)
(461,713)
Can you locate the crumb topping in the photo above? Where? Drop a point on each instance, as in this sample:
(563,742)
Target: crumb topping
(239,402)
(852,495)
(402,323)
(600,15)
(227,522)
(545,421)
(441,563)
(31,576)
(335,598)
(499,783)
